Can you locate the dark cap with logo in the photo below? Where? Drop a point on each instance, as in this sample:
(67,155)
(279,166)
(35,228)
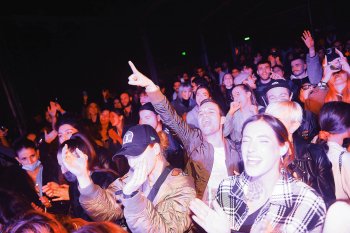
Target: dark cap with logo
(136,140)
(277,83)
(148,106)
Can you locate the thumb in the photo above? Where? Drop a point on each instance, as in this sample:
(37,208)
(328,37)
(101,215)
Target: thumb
(133,68)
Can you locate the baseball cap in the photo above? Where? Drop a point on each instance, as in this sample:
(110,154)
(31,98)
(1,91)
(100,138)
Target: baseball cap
(136,140)
(240,78)
(277,83)
(148,106)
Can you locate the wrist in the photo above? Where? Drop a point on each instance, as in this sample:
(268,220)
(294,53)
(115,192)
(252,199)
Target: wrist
(151,87)
(84,180)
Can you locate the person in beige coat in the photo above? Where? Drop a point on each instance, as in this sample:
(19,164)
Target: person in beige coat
(152,196)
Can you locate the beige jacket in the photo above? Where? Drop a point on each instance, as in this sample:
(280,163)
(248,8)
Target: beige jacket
(169,212)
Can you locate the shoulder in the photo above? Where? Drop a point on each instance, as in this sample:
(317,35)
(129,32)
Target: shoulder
(177,178)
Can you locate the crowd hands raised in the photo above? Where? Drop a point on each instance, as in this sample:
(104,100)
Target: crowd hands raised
(261,147)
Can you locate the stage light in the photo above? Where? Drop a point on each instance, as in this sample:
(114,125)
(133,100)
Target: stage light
(183,53)
(247,38)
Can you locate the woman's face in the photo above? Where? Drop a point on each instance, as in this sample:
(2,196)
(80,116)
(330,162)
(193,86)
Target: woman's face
(93,110)
(104,117)
(115,119)
(186,93)
(241,96)
(65,132)
(339,79)
(261,150)
(228,81)
(27,156)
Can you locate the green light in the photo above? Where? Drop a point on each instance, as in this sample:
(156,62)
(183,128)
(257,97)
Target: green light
(183,53)
(247,38)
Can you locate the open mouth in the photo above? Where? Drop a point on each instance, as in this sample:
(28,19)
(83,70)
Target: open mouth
(253,160)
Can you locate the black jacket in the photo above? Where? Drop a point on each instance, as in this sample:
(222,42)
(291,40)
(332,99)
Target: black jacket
(313,167)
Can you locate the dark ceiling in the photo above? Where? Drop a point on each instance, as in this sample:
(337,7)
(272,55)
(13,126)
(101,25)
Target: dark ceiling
(59,48)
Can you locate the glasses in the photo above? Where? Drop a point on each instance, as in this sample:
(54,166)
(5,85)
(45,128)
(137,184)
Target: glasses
(307,86)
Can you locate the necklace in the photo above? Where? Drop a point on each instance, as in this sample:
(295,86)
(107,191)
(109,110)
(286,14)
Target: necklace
(253,191)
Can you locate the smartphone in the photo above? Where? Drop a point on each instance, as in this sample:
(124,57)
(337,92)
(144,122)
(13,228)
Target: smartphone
(331,55)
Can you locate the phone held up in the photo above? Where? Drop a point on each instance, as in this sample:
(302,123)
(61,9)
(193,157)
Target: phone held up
(333,59)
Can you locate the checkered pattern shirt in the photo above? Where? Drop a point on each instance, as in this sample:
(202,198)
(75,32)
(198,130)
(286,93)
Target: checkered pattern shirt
(292,207)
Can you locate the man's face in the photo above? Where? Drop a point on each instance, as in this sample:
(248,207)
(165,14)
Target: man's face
(147,158)
(200,72)
(176,86)
(298,67)
(144,98)
(125,99)
(264,71)
(148,118)
(201,95)
(278,94)
(93,110)
(278,71)
(209,118)
(65,132)
(235,72)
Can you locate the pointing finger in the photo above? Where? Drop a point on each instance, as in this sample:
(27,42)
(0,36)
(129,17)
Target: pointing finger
(133,68)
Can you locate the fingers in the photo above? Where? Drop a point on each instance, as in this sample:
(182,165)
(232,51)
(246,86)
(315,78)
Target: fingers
(338,52)
(199,208)
(199,221)
(218,209)
(133,68)
(81,154)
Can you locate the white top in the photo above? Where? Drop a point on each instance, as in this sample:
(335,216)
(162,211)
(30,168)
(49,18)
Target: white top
(342,181)
(218,173)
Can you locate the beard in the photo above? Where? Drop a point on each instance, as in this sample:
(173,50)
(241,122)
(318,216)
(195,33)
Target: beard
(70,177)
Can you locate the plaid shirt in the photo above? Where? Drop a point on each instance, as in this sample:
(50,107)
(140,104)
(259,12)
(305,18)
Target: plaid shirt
(292,207)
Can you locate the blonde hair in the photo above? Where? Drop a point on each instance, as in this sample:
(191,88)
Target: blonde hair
(294,110)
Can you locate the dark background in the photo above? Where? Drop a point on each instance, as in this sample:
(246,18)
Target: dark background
(60,48)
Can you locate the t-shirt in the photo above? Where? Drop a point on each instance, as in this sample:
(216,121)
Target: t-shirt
(218,173)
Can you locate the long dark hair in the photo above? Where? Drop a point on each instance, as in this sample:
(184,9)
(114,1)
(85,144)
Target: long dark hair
(281,134)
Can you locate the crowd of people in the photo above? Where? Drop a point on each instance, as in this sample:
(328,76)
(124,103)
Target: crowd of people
(258,146)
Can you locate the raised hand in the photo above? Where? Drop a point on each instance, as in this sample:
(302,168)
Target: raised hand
(234,106)
(343,61)
(212,221)
(76,164)
(308,40)
(138,79)
(52,109)
(138,177)
(49,137)
(276,76)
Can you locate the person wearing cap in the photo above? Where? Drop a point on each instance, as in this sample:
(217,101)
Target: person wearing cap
(173,149)
(152,197)
(211,157)
(278,91)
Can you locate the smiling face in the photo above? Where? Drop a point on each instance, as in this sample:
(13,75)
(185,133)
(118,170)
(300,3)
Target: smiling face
(241,96)
(261,150)
(298,67)
(201,95)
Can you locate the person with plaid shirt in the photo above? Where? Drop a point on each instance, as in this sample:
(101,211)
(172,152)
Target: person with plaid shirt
(265,197)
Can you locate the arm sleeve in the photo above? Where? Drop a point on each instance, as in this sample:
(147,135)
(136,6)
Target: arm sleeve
(314,69)
(101,204)
(173,120)
(169,215)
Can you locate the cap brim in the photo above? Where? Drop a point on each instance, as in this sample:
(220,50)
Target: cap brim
(132,150)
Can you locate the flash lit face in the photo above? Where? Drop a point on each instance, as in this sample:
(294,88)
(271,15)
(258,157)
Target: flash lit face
(228,81)
(65,132)
(298,67)
(261,150)
(241,96)
(125,99)
(27,156)
(115,119)
(278,94)
(148,117)
(104,117)
(264,71)
(209,119)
